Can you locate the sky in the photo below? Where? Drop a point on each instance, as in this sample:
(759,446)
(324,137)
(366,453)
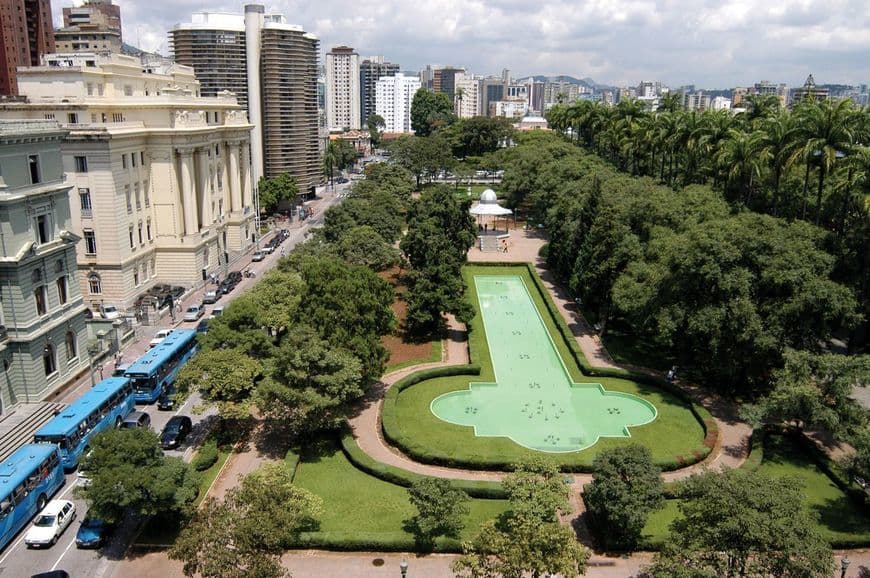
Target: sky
(709,43)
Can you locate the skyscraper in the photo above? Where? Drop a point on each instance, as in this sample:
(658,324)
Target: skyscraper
(27,35)
(393,96)
(371,70)
(272,66)
(342,89)
(444,80)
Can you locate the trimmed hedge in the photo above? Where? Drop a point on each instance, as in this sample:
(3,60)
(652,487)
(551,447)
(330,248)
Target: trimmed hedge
(206,456)
(398,476)
(393,542)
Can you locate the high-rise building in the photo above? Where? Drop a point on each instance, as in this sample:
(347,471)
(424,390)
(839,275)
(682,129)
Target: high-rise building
(492,91)
(444,80)
(768,88)
(213,43)
(469,96)
(535,93)
(393,96)
(427,76)
(342,89)
(43,339)
(371,70)
(160,176)
(94,26)
(809,91)
(28,33)
(279,61)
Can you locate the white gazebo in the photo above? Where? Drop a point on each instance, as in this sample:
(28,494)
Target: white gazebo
(489,207)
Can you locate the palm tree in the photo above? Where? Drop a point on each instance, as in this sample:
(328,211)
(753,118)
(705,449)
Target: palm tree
(826,128)
(779,144)
(760,107)
(742,157)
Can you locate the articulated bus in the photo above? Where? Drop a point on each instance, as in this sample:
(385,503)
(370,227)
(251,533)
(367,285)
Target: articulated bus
(103,406)
(28,478)
(157,369)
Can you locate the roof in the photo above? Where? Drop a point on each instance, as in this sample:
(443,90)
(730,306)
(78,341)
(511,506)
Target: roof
(490,209)
(488,197)
(158,355)
(17,467)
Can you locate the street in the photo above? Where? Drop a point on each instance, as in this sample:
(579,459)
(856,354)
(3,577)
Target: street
(19,561)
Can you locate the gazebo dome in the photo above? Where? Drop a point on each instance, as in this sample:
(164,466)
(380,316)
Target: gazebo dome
(488,197)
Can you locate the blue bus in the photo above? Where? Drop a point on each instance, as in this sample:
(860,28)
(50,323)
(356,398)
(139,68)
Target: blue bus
(103,406)
(155,371)
(28,478)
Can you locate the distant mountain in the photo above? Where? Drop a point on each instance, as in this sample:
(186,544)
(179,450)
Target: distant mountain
(587,82)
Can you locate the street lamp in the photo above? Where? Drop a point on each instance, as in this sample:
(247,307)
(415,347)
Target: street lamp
(403,566)
(844,565)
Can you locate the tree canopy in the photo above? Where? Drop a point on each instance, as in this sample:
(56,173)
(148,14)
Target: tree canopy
(430,111)
(273,191)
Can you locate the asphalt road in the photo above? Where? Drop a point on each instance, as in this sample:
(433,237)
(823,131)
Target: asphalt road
(16,560)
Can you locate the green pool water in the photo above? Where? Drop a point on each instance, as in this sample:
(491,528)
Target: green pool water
(533,401)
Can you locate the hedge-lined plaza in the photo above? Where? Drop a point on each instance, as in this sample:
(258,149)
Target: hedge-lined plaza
(676,437)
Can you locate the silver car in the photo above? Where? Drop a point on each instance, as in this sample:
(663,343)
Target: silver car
(194,312)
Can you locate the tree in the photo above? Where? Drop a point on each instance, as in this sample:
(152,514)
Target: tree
(245,534)
(741,523)
(527,539)
(626,486)
(312,385)
(430,111)
(129,473)
(441,508)
(478,135)
(273,191)
(375,124)
(221,375)
(815,391)
(421,155)
(363,245)
(339,155)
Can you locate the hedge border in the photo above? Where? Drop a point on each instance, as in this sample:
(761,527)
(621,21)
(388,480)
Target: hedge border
(389,417)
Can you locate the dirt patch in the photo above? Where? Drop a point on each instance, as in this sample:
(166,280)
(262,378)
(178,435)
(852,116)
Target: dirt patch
(402,351)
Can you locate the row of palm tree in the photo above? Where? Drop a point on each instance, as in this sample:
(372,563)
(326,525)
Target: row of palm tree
(766,157)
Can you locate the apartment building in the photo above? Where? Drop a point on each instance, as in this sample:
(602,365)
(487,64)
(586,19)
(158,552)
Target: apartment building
(342,89)
(371,70)
(160,176)
(28,33)
(95,26)
(469,96)
(393,97)
(43,339)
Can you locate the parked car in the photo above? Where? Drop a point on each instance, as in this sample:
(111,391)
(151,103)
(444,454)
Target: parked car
(194,312)
(226,286)
(217,311)
(92,533)
(159,337)
(202,326)
(258,256)
(268,249)
(110,312)
(166,401)
(136,419)
(50,523)
(234,276)
(212,296)
(52,574)
(176,430)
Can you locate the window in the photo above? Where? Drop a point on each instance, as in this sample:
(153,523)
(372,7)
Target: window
(95,284)
(147,198)
(72,118)
(133,159)
(43,229)
(136,277)
(140,232)
(90,89)
(123,161)
(148,229)
(48,116)
(49,363)
(33,163)
(85,202)
(41,301)
(90,242)
(128,198)
(100,89)
(71,349)
(81,164)
(117,117)
(142,158)
(130,233)
(61,290)
(138,198)
(128,90)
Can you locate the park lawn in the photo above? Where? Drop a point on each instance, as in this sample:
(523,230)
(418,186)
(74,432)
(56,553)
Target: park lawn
(674,436)
(434,356)
(359,509)
(841,521)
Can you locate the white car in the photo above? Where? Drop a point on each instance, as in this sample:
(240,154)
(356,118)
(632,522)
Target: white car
(110,312)
(50,523)
(159,336)
(194,312)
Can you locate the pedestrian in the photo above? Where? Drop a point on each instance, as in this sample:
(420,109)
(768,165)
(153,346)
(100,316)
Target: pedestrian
(485,228)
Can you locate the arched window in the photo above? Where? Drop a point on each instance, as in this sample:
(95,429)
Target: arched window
(95,285)
(71,348)
(49,363)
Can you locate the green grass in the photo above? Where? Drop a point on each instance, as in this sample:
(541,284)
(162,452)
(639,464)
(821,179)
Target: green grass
(434,355)
(209,475)
(841,521)
(361,509)
(675,433)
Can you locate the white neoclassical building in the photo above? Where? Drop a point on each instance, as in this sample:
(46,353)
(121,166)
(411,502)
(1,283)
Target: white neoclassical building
(161,177)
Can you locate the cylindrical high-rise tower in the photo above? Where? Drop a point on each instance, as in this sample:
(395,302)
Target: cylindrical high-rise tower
(253,24)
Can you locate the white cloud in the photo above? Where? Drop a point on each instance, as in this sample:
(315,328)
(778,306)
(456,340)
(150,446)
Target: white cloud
(719,43)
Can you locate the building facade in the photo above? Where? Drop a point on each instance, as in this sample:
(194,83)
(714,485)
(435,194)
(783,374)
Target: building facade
(160,176)
(43,339)
(444,80)
(809,91)
(469,97)
(28,33)
(393,96)
(342,89)
(94,26)
(279,64)
(371,70)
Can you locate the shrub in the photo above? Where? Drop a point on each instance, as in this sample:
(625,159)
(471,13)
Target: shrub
(206,457)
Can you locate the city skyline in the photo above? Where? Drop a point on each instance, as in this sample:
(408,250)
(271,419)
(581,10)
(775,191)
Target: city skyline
(618,43)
